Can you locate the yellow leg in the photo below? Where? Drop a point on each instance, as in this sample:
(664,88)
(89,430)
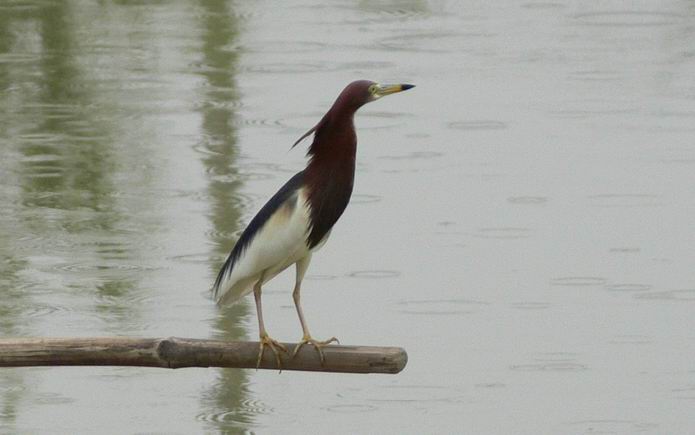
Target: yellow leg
(317,345)
(265,339)
(302,266)
(274,345)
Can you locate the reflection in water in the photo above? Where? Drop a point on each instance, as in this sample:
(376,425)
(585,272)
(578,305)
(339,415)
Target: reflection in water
(11,316)
(396,10)
(225,406)
(66,245)
(11,392)
(11,297)
(64,166)
(76,172)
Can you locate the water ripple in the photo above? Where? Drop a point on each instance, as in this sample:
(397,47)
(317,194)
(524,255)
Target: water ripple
(427,42)
(685,295)
(401,13)
(629,18)
(530,305)
(39,139)
(11,388)
(631,339)
(625,250)
(610,426)
(283,46)
(321,277)
(596,75)
(543,5)
(363,198)
(256,122)
(350,409)
(626,200)
(52,399)
(15,58)
(552,362)
(374,274)
(490,385)
(215,234)
(85,267)
(588,113)
(416,155)
(363,65)
(438,306)
(628,287)
(227,96)
(687,392)
(508,233)
(531,200)
(122,297)
(578,281)
(283,68)
(193,258)
(239,415)
(478,125)
(235,178)
(35,310)
(550,367)
(419,394)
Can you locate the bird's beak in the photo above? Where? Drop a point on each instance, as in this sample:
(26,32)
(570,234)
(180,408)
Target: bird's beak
(383,90)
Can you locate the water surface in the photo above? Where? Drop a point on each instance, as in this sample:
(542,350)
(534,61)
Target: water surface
(521,224)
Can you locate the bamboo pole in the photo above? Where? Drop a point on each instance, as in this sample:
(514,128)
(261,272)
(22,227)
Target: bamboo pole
(176,352)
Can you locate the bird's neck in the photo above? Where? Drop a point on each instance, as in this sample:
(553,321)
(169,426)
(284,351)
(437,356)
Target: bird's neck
(331,169)
(330,173)
(335,143)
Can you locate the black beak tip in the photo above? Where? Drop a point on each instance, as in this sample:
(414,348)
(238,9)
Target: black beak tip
(405,87)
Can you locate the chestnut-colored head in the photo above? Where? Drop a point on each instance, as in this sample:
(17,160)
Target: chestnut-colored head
(354,96)
(361,92)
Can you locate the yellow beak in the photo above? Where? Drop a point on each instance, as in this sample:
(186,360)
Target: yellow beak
(383,90)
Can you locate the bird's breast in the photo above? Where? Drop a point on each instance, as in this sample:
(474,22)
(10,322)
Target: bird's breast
(327,198)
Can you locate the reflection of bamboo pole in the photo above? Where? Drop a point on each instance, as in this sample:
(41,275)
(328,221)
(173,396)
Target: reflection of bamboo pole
(187,352)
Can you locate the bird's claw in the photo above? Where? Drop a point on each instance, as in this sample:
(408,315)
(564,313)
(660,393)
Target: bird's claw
(274,345)
(317,345)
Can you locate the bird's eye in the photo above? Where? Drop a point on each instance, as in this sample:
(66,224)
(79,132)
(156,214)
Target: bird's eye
(372,89)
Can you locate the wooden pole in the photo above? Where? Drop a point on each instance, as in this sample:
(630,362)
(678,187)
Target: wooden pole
(176,352)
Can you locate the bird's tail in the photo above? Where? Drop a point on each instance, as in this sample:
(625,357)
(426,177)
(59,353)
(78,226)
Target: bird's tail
(228,293)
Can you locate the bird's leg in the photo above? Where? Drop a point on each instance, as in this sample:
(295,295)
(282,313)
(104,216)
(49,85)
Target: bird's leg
(302,266)
(307,339)
(265,339)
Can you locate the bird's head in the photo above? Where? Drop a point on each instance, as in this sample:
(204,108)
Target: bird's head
(361,92)
(354,96)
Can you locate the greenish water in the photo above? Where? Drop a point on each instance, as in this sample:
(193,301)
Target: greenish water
(120,195)
(521,224)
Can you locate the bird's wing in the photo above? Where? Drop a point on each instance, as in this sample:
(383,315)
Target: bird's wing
(276,235)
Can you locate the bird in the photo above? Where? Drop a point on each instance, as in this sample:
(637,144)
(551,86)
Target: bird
(298,219)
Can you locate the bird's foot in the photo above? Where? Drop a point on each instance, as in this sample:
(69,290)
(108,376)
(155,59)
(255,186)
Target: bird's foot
(274,345)
(317,345)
